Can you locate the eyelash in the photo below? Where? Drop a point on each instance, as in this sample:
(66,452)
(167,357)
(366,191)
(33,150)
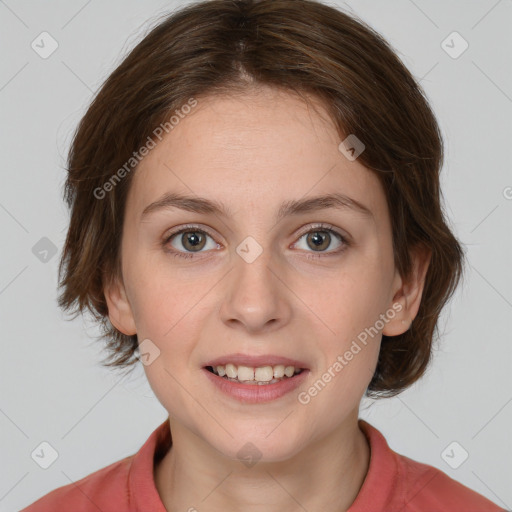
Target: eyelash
(312,256)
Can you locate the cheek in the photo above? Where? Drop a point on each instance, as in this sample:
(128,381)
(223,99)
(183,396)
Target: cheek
(161,298)
(352,301)
(351,311)
(349,363)
(165,314)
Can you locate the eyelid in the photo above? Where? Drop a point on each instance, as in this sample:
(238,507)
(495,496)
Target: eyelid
(188,227)
(317,225)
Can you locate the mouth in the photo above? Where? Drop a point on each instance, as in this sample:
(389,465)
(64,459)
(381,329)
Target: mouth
(258,384)
(256,376)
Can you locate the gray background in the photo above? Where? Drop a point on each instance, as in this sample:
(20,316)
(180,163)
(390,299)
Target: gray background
(52,388)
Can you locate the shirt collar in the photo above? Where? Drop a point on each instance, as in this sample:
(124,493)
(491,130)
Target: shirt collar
(378,491)
(142,491)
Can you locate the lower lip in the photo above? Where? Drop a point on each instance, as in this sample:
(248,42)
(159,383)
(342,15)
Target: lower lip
(256,393)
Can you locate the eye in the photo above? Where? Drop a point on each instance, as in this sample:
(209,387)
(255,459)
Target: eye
(191,240)
(321,238)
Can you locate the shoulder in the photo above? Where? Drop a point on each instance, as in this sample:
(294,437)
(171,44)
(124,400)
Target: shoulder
(105,490)
(396,482)
(427,488)
(127,484)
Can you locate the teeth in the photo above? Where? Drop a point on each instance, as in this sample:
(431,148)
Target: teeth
(245,373)
(263,374)
(231,371)
(279,371)
(260,375)
(289,371)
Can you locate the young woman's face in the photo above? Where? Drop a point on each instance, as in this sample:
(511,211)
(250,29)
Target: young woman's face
(261,279)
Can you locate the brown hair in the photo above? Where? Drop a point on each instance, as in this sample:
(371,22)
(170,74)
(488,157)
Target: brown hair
(226,46)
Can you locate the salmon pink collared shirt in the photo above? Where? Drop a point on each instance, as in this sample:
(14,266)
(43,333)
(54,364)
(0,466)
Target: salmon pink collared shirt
(394,483)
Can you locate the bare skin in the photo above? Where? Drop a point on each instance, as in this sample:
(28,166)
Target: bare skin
(253,153)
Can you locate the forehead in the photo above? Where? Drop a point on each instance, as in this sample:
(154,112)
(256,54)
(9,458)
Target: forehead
(254,149)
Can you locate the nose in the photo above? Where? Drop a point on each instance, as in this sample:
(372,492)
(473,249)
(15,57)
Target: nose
(256,298)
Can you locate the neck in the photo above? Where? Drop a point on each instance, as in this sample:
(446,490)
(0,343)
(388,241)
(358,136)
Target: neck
(327,474)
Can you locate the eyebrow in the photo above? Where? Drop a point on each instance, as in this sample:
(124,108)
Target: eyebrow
(202,205)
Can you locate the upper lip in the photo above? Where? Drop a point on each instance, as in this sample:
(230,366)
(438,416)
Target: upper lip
(256,361)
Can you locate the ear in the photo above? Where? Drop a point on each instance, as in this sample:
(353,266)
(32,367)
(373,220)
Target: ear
(119,310)
(408,293)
